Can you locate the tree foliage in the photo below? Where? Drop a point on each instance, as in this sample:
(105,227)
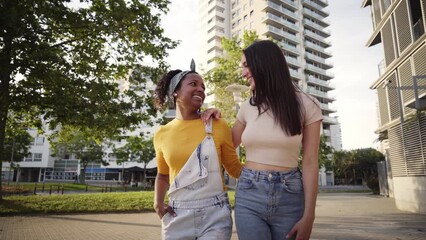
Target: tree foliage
(137,149)
(83,144)
(324,153)
(356,166)
(61,60)
(17,140)
(227,72)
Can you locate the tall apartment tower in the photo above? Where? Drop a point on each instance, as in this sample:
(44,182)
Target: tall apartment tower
(399,27)
(299,27)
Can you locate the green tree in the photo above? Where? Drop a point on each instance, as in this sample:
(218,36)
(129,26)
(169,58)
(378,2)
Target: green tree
(227,72)
(356,165)
(84,144)
(366,162)
(137,149)
(324,153)
(340,165)
(17,142)
(61,59)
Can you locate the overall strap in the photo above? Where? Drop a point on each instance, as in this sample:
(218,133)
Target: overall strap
(209,127)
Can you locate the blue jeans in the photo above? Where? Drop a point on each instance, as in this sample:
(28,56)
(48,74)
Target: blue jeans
(268,204)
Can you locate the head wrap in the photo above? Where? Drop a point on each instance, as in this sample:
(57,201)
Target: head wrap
(177,78)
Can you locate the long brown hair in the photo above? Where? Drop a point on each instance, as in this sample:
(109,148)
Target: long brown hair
(275,89)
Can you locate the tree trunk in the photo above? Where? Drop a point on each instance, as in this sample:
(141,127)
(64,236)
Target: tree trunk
(83,174)
(5,79)
(4,109)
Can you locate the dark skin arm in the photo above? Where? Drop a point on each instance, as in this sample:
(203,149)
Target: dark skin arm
(161,186)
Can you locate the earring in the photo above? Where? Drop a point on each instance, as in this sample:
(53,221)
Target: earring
(175,94)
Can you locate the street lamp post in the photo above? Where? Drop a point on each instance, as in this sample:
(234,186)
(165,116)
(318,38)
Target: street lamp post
(236,91)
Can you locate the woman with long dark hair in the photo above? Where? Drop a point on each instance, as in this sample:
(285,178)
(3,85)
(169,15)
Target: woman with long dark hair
(274,198)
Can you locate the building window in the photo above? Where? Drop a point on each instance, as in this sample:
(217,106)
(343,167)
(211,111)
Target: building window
(28,158)
(37,157)
(416,18)
(39,141)
(33,157)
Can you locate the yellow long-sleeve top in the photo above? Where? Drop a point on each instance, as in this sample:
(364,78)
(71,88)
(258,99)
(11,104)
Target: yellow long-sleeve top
(175,142)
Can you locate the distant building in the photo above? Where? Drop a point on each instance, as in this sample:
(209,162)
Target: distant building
(399,26)
(40,166)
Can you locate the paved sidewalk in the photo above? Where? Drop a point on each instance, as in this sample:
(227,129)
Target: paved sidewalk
(339,216)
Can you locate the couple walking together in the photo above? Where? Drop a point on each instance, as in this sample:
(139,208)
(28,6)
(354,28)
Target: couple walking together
(274,199)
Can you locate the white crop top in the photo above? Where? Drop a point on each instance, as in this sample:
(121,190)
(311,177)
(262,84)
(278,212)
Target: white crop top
(264,140)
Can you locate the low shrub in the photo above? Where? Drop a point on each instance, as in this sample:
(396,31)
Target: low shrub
(373,184)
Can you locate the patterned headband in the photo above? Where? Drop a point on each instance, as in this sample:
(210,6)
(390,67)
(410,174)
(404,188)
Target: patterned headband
(177,78)
(174,82)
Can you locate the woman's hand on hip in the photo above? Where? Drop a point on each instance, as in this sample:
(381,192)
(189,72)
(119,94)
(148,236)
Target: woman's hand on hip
(162,209)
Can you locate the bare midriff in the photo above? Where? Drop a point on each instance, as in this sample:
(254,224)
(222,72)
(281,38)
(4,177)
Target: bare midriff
(265,167)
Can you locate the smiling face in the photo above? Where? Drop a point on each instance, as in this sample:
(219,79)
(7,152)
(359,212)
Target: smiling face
(246,73)
(191,92)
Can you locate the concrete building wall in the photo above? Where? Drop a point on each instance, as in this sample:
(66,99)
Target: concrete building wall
(399,25)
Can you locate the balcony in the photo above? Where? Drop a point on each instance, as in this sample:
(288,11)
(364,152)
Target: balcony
(316,16)
(325,64)
(321,94)
(318,48)
(327,108)
(289,48)
(296,74)
(281,10)
(325,2)
(278,21)
(324,32)
(290,4)
(283,34)
(316,37)
(293,61)
(312,4)
(322,83)
(329,120)
(326,132)
(318,70)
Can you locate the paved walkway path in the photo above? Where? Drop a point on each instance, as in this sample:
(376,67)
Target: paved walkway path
(339,216)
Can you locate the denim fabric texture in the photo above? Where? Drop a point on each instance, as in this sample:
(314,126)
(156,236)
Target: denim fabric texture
(206,219)
(268,204)
(197,196)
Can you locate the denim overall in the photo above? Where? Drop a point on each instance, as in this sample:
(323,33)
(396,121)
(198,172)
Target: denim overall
(197,196)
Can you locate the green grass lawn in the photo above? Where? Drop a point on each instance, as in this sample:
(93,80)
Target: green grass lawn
(139,201)
(81,203)
(67,187)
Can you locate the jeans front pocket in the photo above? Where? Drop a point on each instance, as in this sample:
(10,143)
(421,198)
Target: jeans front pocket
(244,183)
(293,185)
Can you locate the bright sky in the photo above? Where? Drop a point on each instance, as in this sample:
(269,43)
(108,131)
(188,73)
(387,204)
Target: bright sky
(355,65)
